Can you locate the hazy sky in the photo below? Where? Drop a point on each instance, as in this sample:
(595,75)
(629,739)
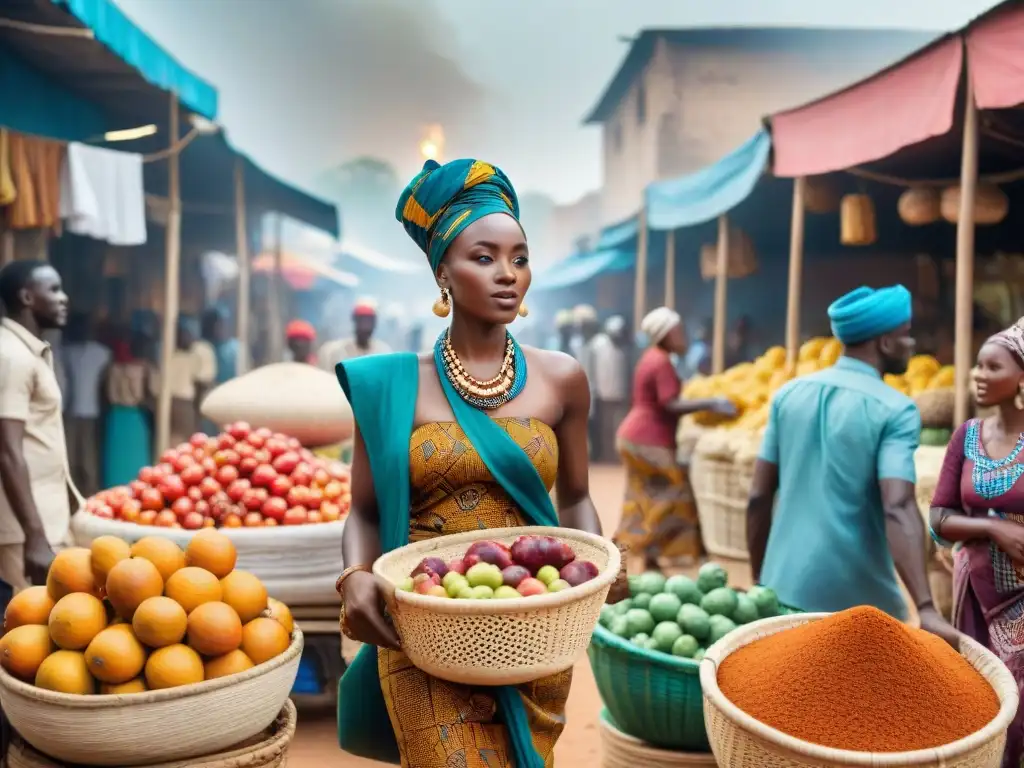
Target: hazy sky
(305,84)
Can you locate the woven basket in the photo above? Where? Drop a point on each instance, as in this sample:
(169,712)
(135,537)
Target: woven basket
(144,728)
(622,751)
(266,750)
(721,491)
(497,642)
(688,434)
(740,741)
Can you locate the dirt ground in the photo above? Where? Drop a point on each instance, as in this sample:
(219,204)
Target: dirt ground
(316,745)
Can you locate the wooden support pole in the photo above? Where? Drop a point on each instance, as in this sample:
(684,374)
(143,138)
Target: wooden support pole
(172,283)
(670,269)
(243,304)
(964,312)
(274,298)
(721,284)
(640,287)
(796,271)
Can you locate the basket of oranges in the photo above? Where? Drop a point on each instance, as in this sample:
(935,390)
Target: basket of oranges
(500,606)
(142,653)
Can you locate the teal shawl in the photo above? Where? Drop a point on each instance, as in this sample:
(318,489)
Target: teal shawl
(382,390)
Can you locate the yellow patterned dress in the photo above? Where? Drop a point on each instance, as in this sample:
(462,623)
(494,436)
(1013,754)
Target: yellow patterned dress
(440,724)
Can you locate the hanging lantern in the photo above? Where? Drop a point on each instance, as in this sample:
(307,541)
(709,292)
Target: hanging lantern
(820,195)
(857,220)
(919,206)
(741,260)
(990,204)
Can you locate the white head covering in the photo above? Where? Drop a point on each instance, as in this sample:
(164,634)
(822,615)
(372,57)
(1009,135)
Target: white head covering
(564,318)
(584,313)
(658,322)
(614,325)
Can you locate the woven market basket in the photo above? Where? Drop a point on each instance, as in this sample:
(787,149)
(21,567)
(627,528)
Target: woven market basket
(497,642)
(721,490)
(622,751)
(145,728)
(265,750)
(740,741)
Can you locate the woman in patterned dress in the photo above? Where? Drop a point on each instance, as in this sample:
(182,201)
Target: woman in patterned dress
(430,445)
(659,517)
(979,501)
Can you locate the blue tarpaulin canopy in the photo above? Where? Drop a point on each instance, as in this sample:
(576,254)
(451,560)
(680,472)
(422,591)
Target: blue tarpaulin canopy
(617,235)
(581,267)
(710,192)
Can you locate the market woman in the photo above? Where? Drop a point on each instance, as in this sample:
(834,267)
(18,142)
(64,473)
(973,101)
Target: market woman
(429,446)
(128,443)
(659,517)
(979,500)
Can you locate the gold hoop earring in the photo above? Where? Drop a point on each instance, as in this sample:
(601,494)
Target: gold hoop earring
(443,306)
(523,310)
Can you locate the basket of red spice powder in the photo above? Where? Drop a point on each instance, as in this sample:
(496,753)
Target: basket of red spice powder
(854,688)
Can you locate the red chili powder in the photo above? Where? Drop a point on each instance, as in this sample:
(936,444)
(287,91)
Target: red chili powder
(859,680)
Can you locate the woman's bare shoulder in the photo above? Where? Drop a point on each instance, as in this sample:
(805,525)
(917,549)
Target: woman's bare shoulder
(559,366)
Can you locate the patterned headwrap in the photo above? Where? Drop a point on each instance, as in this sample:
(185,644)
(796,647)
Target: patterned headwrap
(442,200)
(1011,339)
(865,313)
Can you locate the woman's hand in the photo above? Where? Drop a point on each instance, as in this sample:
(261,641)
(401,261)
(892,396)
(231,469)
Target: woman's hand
(364,612)
(619,591)
(724,407)
(1009,537)
(932,621)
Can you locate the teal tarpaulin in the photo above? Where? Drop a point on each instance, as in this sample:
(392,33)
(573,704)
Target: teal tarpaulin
(582,267)
(710,192)
(617,235)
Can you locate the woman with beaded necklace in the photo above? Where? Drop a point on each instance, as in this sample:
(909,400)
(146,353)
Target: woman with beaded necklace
(470,436)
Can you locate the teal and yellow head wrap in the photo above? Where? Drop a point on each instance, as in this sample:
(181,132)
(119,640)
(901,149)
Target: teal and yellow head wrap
(445,199)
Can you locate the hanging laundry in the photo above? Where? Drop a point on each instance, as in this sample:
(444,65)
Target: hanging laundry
(102,196)
(7,189)
(35,168)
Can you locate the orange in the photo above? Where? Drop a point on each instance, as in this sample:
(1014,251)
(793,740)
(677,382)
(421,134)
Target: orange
(76,619)
(245,593)
(115,655)
(107,551)
(213,551)
(24,648)
(263,639)
(30,606)
(71,571)
(138,685)
(191,587)
(228,664)
(173,666)
(163,553)
(130,583)
(214,629)
(159,621)
(66,672)
(280,613)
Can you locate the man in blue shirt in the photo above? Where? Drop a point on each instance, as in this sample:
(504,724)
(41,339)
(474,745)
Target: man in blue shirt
(837,465)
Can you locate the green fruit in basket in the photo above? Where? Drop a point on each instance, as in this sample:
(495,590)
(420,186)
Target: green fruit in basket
(666,634)
(547,574)
(483,592)
(711,576)
(665,607)
(454,583)
(640,621)
(766,600)
(620,627)
(685,646)
(405,585)
(720,627)
(466,593)
(721,602)
(623,605)
(505,592)
(640,639)
(652,644)
(685,589)
(695,621)
(607,614)
(484,575)
(746,610)
(558,585)
(650,583)
(699,655)
(643,600)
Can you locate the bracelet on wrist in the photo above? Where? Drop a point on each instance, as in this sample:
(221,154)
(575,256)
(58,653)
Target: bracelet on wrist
(339,585)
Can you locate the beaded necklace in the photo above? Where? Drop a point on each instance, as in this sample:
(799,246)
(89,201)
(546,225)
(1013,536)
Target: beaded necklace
(494,392)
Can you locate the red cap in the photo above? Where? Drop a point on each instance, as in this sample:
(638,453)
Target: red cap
(300,329)
(364,309)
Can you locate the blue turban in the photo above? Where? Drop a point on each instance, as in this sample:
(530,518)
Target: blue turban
(865,313)
(445,199)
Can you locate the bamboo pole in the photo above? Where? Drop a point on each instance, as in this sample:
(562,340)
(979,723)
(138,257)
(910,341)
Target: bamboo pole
(274,281)
(244,270)
(796,271)
(640,286)
(670,269)
(721,283)
(964,312)
(172,283)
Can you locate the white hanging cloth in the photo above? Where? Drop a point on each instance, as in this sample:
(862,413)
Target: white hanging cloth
(102,195)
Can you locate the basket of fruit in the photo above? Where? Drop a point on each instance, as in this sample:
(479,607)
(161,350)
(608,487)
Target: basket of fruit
(242,482)
(146,653)
(721,491)
(646,652)
(501,606)
(622,751)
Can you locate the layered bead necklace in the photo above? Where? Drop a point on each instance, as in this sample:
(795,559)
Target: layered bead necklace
(494,392)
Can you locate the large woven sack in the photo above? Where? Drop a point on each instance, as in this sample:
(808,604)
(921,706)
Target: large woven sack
(936,407)
(293,398)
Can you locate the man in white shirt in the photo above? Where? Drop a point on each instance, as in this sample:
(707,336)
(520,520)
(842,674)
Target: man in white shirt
(364,322)
(609,360)
(85,361)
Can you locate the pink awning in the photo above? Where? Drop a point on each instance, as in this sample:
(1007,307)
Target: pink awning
(995,50)
(871,120)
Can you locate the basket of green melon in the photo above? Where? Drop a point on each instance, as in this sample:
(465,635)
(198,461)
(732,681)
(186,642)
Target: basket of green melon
(646,651)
